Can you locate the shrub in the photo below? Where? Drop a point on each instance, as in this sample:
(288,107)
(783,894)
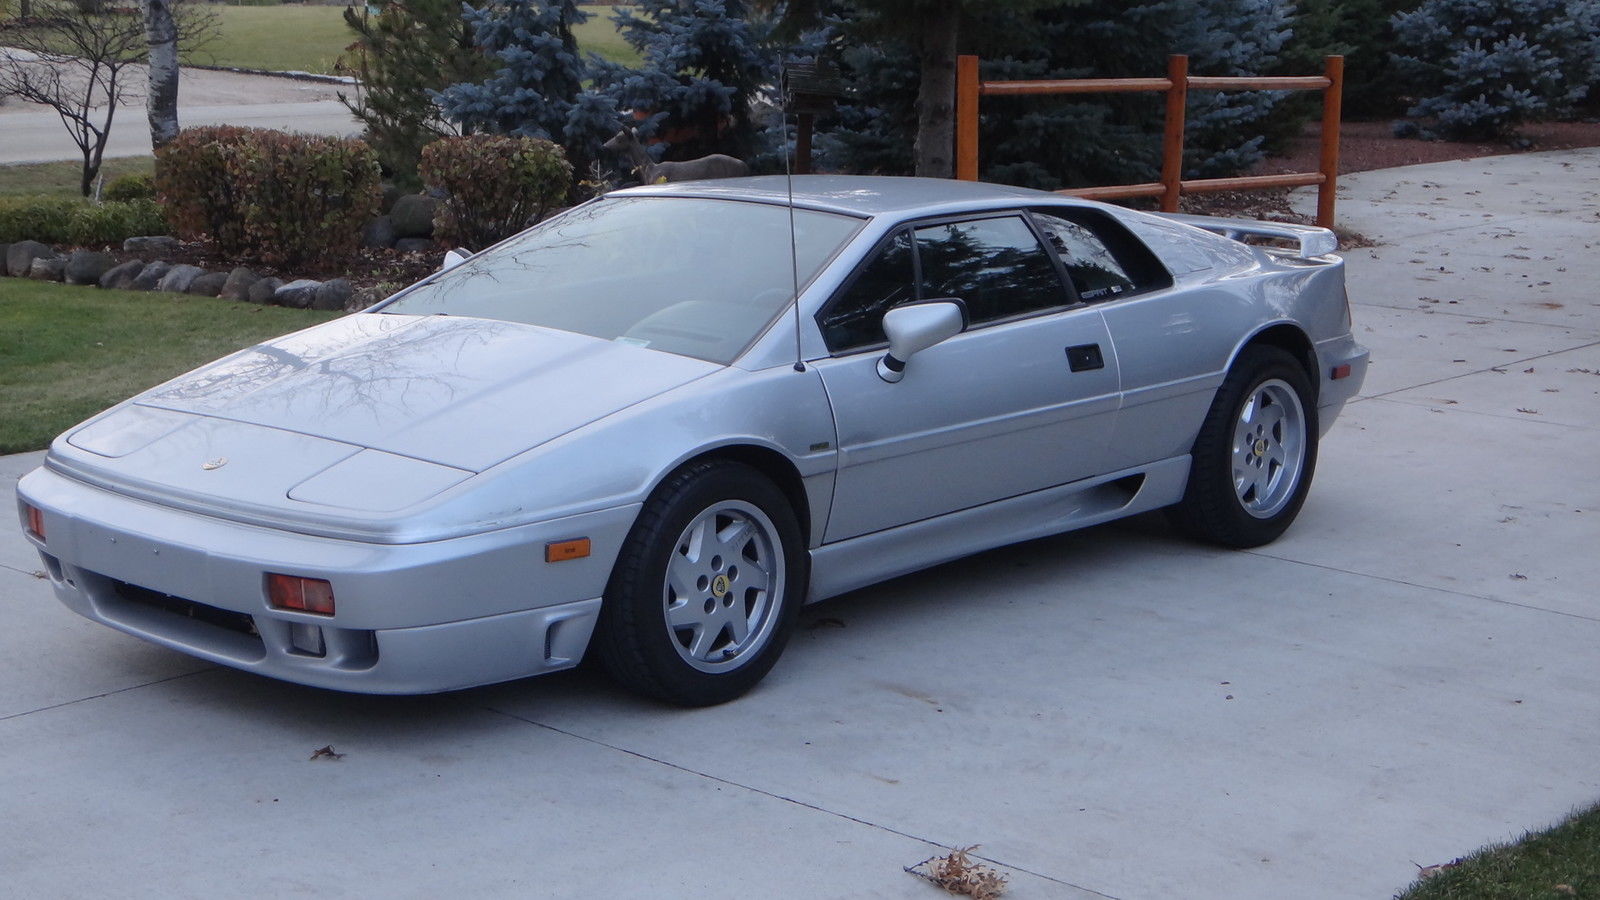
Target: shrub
(1481,68)
(272,196)
(130,187)
(56,221)
(494,186)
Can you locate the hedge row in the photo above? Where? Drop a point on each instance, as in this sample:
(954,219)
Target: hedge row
(269,196)
(77,222)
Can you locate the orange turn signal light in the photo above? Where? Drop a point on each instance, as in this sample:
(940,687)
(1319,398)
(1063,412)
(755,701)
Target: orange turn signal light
(561,551)
(312,595)
(35,521)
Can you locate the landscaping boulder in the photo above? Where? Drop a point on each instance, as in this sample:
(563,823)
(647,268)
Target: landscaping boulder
(333,294)
(413,216)
(237,287)
(391,193)
(121,277)
(150,276)
(178,278)
(86,266)
(47,268)
(414,245)
(364,298)
(207,285)
(379,234)
(297,294)
(151,244)
(20,256)
(262,289)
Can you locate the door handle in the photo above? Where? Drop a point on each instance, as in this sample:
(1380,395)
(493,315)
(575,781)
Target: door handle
(1084,357)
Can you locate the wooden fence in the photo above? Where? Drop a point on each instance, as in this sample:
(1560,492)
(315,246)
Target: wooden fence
(1176,86)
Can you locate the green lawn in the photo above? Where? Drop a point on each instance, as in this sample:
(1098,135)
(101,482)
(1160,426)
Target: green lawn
(60,179)
(1560,863)
(68,352)
(311,38)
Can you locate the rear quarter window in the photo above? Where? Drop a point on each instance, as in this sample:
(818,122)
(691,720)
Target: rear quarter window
(1104,260)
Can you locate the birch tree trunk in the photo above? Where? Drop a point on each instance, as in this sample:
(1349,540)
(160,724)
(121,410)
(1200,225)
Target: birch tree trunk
(161,103)
(936,130)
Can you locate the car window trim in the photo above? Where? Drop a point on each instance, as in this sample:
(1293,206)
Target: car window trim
(911,225)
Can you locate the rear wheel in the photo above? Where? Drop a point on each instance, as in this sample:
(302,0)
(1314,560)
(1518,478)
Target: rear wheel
(706,588)
(1254,456)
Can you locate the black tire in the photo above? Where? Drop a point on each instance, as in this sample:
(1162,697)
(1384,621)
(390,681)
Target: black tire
(704,662)
(1234,497)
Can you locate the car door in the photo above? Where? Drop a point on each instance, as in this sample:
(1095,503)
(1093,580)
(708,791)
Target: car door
(1024,399)
(1172,341)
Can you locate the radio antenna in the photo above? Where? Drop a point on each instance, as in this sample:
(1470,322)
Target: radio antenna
(784,87)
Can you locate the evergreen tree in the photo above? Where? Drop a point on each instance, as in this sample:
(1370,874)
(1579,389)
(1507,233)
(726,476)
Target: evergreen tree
(405,52)
(703,63)
(1483,67)
(534,91)
(1053,142)
(1361,32)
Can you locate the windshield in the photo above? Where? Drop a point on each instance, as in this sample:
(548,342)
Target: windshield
(687,275)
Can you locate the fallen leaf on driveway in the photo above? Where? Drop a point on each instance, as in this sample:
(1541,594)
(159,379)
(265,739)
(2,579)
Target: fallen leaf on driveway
(958,874)
(327,753)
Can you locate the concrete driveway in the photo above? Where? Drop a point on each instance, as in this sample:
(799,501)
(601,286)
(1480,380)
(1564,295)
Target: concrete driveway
(1409,673)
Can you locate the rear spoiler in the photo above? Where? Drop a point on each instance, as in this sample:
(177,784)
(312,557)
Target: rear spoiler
(1313,241)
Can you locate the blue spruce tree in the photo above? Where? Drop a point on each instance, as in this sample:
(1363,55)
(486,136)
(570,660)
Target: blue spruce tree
(702,64)
(536,90)
(1480,68)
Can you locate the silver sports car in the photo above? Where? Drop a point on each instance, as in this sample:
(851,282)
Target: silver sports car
(654,426)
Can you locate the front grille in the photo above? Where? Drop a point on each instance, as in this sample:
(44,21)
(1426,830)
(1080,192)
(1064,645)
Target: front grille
(222,618)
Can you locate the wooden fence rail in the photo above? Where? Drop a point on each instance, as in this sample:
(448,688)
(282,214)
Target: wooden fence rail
(1176,86)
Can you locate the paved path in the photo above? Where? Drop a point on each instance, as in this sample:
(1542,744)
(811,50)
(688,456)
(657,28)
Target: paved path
(1408,674)
(33,133)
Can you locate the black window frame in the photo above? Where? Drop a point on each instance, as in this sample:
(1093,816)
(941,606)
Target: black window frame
(909,227)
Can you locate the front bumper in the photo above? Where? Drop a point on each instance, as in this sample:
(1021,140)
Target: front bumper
(410,618)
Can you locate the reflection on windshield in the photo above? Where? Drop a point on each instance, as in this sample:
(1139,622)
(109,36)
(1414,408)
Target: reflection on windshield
(692,276)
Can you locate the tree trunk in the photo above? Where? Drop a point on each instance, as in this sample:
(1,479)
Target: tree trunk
(936,97)
(162,102)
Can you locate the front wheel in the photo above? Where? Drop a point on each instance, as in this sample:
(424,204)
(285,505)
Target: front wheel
(1254,456)
(706,589)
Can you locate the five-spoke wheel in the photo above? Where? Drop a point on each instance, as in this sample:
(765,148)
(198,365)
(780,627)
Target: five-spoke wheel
(706,587)
(1253,459)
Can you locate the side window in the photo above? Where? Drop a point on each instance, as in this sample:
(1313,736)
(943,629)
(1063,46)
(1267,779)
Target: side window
(996,266)
(855,318)
(1100,269)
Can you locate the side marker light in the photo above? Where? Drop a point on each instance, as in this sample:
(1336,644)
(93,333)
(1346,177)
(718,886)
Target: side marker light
(1342,371)
(35,521)
(561,551)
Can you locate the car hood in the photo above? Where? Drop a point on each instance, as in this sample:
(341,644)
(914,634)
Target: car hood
(465,393)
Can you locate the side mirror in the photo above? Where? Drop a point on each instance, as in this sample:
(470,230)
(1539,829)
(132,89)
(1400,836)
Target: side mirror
(915,327)
(453,258)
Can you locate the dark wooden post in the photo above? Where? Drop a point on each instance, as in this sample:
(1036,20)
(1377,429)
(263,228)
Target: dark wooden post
(1172,137)
(967,89)
(1332,107)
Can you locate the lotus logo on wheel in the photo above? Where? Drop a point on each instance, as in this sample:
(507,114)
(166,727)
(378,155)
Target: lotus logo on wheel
(217,463)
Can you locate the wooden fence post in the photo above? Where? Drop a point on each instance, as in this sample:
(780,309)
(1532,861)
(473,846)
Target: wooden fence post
(967,89)
(1332,107)
(1172,136)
